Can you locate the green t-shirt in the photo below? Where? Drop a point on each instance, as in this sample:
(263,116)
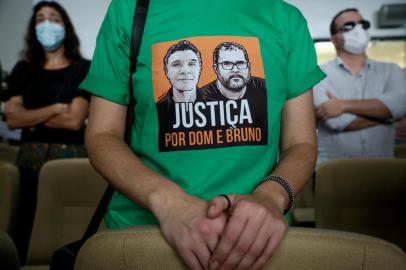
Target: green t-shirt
(208,121)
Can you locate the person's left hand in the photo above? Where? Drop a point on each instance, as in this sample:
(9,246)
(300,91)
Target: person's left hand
(14,104)
(254,230)
(331,108)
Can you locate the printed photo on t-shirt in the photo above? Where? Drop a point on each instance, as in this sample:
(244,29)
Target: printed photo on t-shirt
(209,92)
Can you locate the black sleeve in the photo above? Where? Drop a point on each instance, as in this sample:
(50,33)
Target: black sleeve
(19,79)
(83,69)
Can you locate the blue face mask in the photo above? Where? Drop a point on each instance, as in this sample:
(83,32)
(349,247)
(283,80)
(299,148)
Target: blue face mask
(50,35)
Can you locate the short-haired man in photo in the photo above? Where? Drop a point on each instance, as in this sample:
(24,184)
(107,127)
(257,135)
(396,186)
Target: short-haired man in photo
(182,65)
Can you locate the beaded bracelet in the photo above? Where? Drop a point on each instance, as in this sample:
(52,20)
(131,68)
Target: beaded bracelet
(286,186)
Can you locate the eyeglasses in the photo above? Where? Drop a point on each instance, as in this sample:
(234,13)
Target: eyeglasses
(227,65)
(348,26)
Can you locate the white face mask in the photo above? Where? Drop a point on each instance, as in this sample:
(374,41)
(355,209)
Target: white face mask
(50,35)
(356,40)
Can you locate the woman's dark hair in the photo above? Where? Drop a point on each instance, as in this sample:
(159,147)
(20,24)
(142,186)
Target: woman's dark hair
(34,53)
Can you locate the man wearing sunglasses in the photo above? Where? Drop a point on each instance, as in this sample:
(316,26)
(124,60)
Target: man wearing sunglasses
(359,100)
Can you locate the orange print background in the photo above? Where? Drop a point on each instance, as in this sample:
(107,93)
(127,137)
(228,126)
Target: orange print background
(206,46)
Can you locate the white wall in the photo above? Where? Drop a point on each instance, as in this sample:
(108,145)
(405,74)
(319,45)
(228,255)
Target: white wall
(87,16)
(320,12)
(14,15)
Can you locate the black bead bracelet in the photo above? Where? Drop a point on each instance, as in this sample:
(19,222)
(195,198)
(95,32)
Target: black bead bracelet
(286,186)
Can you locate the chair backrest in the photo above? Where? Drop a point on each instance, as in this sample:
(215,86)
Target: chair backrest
(8,152)
(8,253)
(68,192)
(363,195)
(400,150)
(304,211)
(9,196)
(303,248)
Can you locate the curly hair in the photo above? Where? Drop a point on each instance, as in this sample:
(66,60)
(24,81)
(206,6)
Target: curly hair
(228,46)
(33,52)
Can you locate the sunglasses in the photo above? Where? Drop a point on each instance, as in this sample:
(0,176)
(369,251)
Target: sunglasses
(348,26)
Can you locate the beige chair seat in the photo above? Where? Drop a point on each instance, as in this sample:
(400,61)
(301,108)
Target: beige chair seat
(364,196)
(304,212)
(303,248)
(400,151)
(69,191)
(35,267)
(8,253)
(8,152)
(9,196)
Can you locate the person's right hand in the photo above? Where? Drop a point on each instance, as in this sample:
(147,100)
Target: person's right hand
(187,228)
(14,104)
(333,107)
(60,108)
(255,228)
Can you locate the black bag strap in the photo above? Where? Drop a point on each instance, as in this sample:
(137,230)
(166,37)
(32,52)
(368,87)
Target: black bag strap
(139,19)
(140,16)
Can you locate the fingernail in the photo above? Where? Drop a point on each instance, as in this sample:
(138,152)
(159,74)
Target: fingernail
(211,208)
(214,265)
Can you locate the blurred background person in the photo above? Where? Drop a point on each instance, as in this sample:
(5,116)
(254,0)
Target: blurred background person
(357,103)
(46,103)
(7,135)
(400,125)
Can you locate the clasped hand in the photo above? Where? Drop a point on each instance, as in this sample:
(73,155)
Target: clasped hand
(333,107)
(207,237)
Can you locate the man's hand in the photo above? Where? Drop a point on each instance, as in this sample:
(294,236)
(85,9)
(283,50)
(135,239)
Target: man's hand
(254,230)
(331,108)
(187,228)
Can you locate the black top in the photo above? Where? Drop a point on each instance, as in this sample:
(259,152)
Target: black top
(165,106)
(39,87)
(194,125)
(167,115)
(255,94)
(256,91)
(256,97)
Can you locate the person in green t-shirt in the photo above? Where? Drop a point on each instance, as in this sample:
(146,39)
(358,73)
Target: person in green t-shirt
(199,174)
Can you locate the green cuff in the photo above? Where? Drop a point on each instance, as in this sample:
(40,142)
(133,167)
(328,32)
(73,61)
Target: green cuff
(114,91)
(314,77)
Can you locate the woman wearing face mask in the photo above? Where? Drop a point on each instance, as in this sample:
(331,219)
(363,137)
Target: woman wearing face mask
(46,103)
